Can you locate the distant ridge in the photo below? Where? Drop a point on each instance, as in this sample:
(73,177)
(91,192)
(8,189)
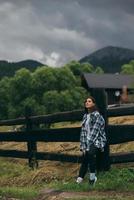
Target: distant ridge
(28,63)
(110,58)
(9,68)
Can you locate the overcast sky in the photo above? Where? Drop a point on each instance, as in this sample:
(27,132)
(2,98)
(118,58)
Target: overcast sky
(55,32)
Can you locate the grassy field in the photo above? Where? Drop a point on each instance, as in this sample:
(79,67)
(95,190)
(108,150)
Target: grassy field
(19,182)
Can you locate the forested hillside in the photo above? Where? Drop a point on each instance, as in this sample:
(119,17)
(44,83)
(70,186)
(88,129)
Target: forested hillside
(110,58)
(9,68)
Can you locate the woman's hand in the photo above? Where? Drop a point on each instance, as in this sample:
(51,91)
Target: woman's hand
(84,152)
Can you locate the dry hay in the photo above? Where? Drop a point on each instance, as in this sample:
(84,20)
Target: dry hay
(54,170)
(127,146)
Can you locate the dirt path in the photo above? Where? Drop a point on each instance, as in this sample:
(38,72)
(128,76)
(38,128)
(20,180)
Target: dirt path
(49,194)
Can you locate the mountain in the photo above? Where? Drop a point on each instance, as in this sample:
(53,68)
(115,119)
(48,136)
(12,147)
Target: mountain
(9,68)
(29,64)
(110,58)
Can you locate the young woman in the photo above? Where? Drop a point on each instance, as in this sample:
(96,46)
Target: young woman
(92,139)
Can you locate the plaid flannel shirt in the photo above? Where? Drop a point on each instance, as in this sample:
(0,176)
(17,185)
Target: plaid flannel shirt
(94,134)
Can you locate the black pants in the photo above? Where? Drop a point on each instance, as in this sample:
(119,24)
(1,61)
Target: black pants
(88,161)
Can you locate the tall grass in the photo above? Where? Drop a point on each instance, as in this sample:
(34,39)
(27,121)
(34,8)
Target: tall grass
(117,179)
(18,181)
(27,193)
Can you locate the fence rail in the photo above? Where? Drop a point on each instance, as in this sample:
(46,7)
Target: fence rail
(116,134)
(114,157)
(75,115)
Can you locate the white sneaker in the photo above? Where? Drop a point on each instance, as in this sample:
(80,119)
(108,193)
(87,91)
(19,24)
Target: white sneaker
(92,182)
(79,180)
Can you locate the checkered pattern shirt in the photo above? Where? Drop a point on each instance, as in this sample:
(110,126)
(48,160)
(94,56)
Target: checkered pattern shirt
(92,132)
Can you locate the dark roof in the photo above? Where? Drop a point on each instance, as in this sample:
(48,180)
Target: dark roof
(107,81)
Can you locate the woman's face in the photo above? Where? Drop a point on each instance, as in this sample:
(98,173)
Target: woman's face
(89,103)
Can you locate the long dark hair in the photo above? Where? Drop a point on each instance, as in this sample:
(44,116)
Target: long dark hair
(94,108)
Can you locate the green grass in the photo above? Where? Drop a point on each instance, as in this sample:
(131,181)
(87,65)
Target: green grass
(103,198)
(27,193)
(115,179)
(16,182)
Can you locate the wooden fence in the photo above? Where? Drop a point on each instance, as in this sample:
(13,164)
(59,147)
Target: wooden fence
(33,134)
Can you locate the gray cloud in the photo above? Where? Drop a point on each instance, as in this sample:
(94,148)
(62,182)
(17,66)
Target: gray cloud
(57,31)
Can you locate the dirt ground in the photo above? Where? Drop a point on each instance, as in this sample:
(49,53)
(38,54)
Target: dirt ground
(60,195)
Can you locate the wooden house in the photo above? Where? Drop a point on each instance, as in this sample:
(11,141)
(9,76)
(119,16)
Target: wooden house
(117,86)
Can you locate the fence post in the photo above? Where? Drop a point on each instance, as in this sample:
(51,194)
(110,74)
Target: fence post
(102,158)
(31,145)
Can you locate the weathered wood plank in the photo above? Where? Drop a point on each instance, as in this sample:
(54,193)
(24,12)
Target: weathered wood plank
(122,157)
(114,158)
(116,134)
(75,115)
(120,111)
(46,135)
(120,133)
(47,119)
